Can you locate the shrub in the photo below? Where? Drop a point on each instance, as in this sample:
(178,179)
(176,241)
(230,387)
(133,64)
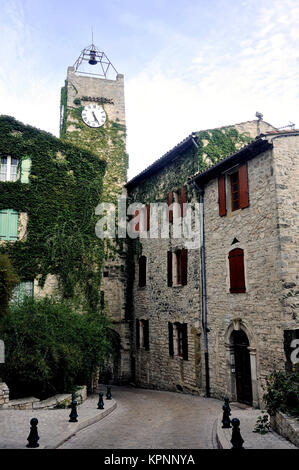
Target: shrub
(282,393)
(50,347)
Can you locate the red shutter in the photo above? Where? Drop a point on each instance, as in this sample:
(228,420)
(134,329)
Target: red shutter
(236,271)
(184,264)
(148,217)
(170,196)
(183,201)
(221,195)
(243,182)
(169,268)
(136,225)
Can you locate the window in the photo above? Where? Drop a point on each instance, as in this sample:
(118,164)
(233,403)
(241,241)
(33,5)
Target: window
(9,169)
(8,224)
(238,188)
(177,263)
(142,219)
(142,334)
(178,339)
(142,271)
(21,291)
(178,197)
(235,191)
(236,271)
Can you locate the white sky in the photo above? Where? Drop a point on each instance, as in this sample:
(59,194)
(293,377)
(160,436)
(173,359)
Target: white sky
(188,65)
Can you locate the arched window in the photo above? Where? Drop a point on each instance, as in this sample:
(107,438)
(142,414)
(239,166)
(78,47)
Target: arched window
(142,271)
(236,271)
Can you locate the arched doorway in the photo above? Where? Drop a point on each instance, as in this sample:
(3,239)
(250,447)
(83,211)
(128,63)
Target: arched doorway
(240,345)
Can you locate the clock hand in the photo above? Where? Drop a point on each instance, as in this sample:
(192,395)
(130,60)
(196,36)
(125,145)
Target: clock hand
(95,117)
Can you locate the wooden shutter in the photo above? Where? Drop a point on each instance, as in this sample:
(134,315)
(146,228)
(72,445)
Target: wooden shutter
(184,266)
(236,271)
(185,341)
(169,268)
(183,201)
(148,217)
(142,271)
(146,334)
(170,211)
(3,225)
(8,224)
(170,339)
(136,226)
(25,170)
(137,333)
(221,195)
(243,185)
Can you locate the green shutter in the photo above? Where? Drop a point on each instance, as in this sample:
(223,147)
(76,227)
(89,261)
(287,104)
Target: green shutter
(25,170)
(8,224)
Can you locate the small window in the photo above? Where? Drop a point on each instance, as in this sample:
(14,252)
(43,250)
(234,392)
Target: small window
(236,271)
(178,197)
(142,271)
(177,266)
(142,334)
(8,225)
(235,184)
(178,261)
(21,291)
(235,191)
(178,339)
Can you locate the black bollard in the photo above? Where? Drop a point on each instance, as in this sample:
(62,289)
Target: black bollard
(101,401)
(236,439)
(108,394)
(73,413)
(33,437)
(226,414)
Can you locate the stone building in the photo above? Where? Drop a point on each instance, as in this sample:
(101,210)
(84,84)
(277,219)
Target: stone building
(192,329)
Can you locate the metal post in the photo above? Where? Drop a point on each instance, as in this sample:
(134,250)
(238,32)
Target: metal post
(236,440)
(226,414)
(101,401)
(73,413)
(33,437)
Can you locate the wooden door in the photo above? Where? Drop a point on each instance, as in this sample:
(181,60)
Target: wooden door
(243,371)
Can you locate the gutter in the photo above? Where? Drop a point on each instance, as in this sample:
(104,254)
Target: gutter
(200,194)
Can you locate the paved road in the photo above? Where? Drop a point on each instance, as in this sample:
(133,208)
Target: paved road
(146,419)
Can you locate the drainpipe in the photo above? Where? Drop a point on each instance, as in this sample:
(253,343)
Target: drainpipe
(200,194)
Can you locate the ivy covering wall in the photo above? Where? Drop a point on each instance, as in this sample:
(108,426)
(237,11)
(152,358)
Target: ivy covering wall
(65,186)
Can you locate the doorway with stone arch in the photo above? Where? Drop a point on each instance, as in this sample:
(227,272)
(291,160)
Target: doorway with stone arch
(242,367)
(241,353)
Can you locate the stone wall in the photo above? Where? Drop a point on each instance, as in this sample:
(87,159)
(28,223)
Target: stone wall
(286,426)
(4,394)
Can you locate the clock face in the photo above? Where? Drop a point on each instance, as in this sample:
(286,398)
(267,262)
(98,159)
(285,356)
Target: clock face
(94,115)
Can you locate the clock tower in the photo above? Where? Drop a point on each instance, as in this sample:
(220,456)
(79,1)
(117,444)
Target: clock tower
(93,116)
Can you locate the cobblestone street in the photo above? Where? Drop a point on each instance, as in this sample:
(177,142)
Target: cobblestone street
(147,419)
